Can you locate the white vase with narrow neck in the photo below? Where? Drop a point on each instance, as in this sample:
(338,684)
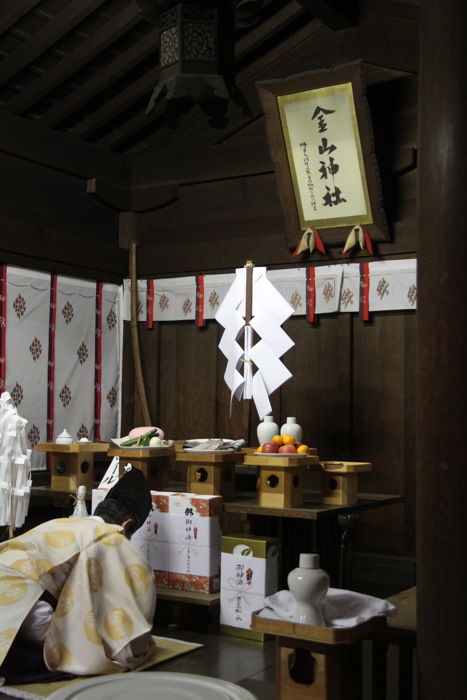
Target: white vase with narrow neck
(291,427)
(308,585)
(266,430)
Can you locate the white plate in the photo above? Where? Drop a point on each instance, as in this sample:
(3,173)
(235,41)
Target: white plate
(226,440)
(155,685)
(281,454)
(118,441)
(208,452)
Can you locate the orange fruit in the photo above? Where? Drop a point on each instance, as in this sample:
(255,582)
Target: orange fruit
(288,439)
(277,440)
(303,450)
(259,449)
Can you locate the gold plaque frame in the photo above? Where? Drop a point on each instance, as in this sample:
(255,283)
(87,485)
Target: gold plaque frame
(321,142)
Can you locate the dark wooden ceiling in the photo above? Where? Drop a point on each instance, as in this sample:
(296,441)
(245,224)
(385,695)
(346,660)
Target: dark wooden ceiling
(88,67)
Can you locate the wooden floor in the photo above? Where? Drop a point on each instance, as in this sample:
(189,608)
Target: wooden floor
(249,664)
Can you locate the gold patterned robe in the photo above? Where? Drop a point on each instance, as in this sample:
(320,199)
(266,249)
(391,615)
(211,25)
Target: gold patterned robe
(104,590)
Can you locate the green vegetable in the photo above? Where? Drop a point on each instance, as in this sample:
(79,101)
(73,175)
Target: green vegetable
(141,441)
(129,443)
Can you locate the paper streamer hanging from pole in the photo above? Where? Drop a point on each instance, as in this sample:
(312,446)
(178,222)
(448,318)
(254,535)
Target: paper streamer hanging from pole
(253,305)
(15,466)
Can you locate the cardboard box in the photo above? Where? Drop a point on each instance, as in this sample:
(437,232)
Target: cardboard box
(249,573)
(180,539)
(194,542)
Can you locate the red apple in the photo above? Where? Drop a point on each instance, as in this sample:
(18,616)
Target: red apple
(290,449)
(269,447)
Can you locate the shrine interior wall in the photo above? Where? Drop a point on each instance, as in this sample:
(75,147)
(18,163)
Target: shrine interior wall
(353,385)
(353,382)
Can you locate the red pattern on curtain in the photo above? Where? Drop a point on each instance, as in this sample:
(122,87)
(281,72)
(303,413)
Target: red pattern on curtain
(98,364)
(51,363)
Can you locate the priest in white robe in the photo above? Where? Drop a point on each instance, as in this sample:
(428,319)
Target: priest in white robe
(78,590)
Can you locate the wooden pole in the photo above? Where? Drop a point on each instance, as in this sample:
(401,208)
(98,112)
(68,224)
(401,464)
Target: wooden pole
(441,483)
(140,389)
(249,265)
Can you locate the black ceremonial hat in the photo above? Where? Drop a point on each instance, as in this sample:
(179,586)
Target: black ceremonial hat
(133,491)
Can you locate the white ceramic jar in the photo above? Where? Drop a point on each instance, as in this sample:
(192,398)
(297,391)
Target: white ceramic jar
(291,427)
(266,430)
(64,438)
(308,585)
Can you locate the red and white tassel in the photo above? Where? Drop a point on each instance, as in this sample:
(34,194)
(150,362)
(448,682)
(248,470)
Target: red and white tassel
(309,241)
(358,234)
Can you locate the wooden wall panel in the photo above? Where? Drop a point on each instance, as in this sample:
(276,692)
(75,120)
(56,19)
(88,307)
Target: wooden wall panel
(187,402)
(318,393)
(382,418)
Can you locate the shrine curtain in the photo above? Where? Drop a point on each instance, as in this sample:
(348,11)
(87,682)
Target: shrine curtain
(60,355)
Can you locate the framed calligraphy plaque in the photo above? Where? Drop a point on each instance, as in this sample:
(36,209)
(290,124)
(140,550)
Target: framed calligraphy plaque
(321,141)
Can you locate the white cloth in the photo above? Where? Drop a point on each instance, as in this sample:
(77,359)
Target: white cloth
(341,608)
(37,622)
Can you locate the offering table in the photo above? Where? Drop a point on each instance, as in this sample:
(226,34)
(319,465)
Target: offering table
(280,478)
(339,481)
(210,473)
(318,663)
(152,461)
(72,465)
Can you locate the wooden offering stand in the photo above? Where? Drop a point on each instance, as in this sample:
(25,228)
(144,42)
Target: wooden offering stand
(340,482)
(280,477)
(210,473)
(152,461)
(318,663)
(72,465)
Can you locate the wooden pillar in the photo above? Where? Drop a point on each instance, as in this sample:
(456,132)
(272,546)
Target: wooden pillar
(441,477)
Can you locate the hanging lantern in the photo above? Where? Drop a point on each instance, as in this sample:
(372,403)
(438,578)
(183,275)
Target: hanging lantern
(196,61)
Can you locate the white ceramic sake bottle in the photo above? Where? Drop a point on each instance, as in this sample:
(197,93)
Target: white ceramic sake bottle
(291,427)
(308,585)
(266,430)
(80,510)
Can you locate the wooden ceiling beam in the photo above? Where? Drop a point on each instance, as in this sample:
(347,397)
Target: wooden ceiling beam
(110,31)
(116,105)
(267,29)
(202,164)
(125,130)
(410,9)
(141,199)
(25,139)
(335,14)
(13,10)
(52,32)
(107,76)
